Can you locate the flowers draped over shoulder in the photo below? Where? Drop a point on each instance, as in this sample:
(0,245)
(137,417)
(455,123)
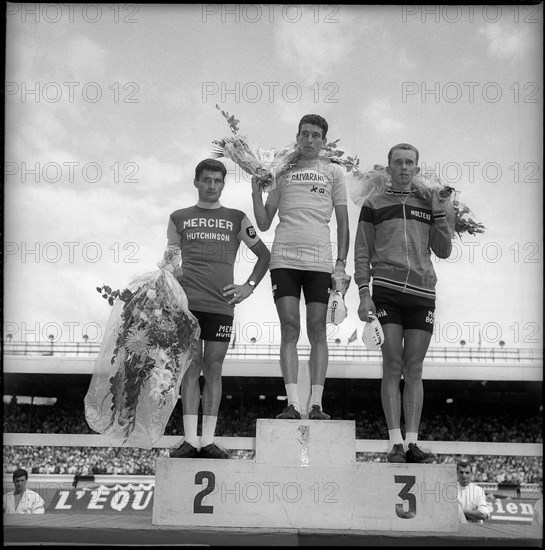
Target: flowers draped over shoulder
(376,181)
(268,164)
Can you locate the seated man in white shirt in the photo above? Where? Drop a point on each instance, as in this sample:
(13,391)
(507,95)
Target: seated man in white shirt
(22,500)
(471,497)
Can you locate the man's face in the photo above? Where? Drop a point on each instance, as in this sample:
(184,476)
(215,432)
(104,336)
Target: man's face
(464,475)
(310,141)
(210,185)
(20,484)
(402,167)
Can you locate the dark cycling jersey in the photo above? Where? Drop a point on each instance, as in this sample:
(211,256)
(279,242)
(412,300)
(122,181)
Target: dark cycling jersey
(209,240)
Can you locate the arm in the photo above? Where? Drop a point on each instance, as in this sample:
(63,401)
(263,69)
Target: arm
(264,213)
(343,237)
(262,265)
(365,236)
(340,201)
(38,506)
(240,292)
(480,508)
(172,256)
(475,515)
(442,229)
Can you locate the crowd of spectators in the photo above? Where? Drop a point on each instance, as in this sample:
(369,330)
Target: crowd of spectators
(440,423)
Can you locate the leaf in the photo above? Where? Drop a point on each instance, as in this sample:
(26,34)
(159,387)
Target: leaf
(111,301)
(108,289)
(99,289)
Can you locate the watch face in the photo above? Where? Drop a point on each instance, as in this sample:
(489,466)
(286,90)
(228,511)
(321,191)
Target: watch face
(251,283)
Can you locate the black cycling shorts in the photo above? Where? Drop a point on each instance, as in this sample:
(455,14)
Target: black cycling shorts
(316,285)
(401,308)
(215,327)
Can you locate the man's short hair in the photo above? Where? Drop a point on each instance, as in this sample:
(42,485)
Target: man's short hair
(406,146)
(20,472)
(212,165)
(317,120)
(463,464)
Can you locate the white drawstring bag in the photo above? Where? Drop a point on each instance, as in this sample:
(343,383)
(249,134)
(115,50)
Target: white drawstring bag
(373,336)
(336,309)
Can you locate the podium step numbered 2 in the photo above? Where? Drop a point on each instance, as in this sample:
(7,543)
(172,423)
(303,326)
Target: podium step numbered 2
(305,475)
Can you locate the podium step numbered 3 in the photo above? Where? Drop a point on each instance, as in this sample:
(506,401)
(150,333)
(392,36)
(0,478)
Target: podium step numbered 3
(305,475)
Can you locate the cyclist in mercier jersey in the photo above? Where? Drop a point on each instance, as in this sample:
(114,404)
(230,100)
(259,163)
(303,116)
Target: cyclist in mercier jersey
(208,235)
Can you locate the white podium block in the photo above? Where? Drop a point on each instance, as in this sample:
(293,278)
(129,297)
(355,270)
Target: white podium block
(360,496)
(305,442)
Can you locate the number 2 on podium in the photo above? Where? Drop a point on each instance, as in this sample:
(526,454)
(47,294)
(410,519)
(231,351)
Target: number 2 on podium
(198,507)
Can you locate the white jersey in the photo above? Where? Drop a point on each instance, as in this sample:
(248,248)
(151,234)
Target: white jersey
(305,196)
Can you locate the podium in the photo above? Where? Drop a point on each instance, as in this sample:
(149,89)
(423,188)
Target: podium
(305,475)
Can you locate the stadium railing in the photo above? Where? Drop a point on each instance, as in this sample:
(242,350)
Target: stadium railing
(272,351)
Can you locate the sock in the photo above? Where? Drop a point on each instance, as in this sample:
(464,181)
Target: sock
(410,437)
(293,396)
(395,437)
(208,429)
(316,395)
(190,429)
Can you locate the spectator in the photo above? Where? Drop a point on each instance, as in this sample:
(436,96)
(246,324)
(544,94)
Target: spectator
(470,496)
(22,500)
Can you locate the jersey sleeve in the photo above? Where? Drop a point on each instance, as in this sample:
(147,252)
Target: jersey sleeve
(248,234)
(364,248)
(441,236)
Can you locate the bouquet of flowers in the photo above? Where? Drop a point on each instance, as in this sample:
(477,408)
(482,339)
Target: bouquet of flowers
(265,164)
(142,360)
(334,154)
(375,181)
(268,164)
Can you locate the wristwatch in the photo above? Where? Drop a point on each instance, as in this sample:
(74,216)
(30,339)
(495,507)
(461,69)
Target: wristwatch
(252,284)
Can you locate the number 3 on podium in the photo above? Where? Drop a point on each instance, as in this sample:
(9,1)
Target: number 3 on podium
(404,494)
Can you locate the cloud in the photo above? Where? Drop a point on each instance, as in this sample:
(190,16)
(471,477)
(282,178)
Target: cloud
(316,50)
(60,243)
(506,42)
(379,114)
(404,60)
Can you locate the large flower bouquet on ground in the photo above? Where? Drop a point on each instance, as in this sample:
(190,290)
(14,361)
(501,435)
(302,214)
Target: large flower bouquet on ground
(143,357)
(375,181)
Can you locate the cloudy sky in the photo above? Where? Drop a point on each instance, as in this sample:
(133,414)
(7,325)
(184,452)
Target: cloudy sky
(109,107)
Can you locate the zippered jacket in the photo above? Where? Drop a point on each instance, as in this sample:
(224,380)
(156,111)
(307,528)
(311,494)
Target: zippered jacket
(396,234)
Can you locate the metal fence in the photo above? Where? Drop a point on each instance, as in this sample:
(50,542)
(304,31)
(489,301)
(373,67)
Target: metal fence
(272,351)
